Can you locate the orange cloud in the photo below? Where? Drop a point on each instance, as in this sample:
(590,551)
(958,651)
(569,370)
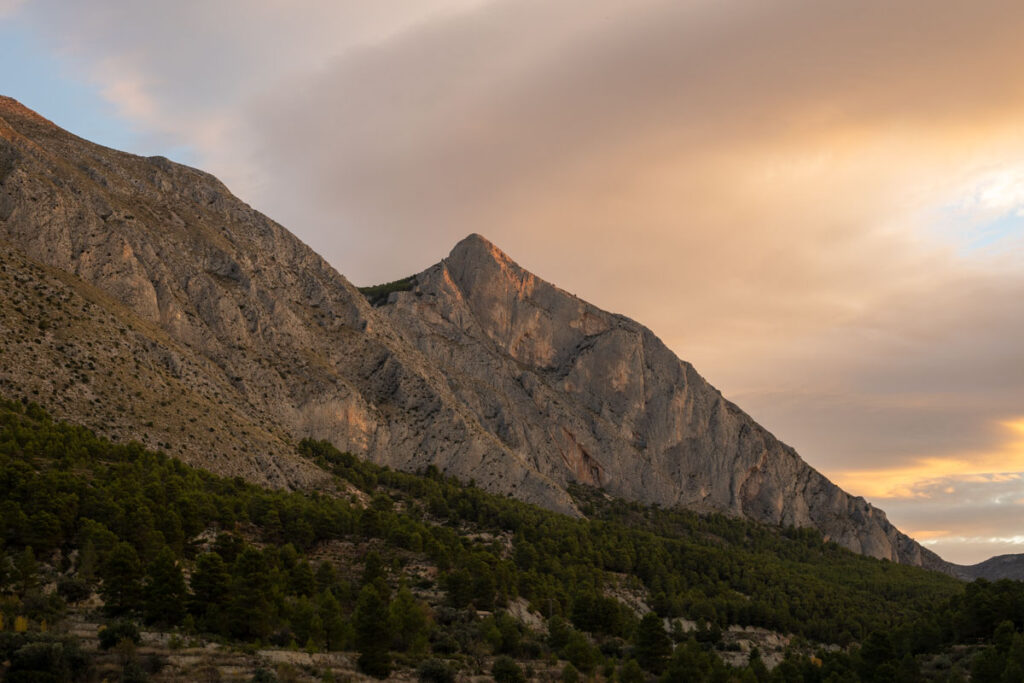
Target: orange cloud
(1003,463)
(923,535)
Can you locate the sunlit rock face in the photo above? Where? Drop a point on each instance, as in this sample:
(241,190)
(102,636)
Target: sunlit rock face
(223,338)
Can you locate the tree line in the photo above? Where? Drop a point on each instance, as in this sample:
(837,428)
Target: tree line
(178,548)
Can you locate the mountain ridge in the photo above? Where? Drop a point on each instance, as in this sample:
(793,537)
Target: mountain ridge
(480,368)
(1009,566)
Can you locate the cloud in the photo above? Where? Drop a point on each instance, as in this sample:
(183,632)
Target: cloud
(9,7)
(986,515)
(815,203)
(966,505)
(185,71)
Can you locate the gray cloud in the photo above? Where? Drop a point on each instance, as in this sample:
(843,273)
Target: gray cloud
(923,375)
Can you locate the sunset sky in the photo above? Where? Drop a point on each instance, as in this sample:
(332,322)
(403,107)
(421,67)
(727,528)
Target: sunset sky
(819,204)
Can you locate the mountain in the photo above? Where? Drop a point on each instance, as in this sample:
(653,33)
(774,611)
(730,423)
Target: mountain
(220,337)
(994,568)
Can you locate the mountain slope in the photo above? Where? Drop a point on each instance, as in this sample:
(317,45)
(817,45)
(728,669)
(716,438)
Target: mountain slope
(481,368)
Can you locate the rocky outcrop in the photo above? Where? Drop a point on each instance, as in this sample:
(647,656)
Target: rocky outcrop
(223,339)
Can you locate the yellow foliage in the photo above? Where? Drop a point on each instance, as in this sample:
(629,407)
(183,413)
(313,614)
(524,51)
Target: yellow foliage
(20,624)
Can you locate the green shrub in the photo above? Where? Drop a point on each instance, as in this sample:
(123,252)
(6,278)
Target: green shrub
(116,631)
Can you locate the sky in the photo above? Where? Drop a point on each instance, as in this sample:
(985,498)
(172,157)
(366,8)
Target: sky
(818,204)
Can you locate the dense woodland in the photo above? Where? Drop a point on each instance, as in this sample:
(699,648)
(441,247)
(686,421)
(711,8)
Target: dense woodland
(419,572)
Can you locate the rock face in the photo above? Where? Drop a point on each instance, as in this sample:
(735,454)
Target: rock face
(219,336)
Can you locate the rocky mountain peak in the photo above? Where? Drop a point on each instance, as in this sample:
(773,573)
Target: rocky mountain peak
(477,265)
(475,248)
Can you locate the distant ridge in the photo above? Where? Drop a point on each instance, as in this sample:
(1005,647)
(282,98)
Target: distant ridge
(995,568)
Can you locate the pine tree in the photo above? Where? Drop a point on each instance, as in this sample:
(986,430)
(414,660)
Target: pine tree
(690,662)
(27,571)
(316,632)
(301,614)
(164,593)
(273,530)
(300,579)
(580,652)
(373,568)
(558,632)
(333,621)
(372,632)
(326,577)
(209,583)
(630,672)
(122,580)
(409,621)
(988,665)
(1014,670)
(229,546)
(248,609)
(87,562)
(652,643)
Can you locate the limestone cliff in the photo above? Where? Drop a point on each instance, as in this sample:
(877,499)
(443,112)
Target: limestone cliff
(143,299)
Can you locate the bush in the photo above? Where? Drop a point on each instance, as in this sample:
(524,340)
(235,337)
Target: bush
(73,589)
(262,675)
(47,659)
(436,671)
(505,670)
(114,632)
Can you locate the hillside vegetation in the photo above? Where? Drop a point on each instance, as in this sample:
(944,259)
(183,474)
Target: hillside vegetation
(377,295)
(421,573)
